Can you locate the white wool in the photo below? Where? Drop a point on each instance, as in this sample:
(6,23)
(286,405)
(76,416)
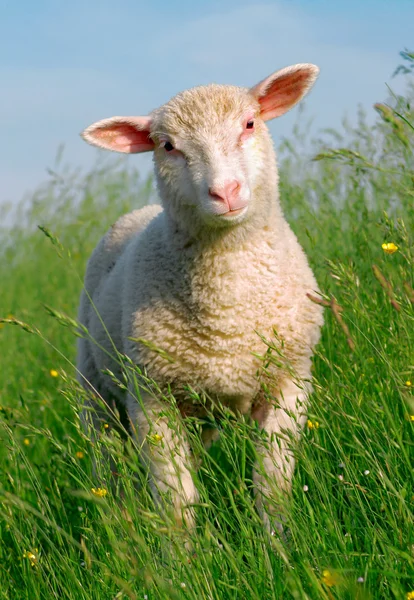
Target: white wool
(202,287)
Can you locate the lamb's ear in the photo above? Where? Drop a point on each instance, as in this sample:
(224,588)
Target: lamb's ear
(121,134)
(279,92)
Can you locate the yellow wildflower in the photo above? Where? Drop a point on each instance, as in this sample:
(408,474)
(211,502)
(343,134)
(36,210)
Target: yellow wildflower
(329,579)
(79,454)
(408,383)
(100,492)
(106,426)
(412,418)
(313,424)
(53,373)
(389,248)
(155,438)
(26,442)
(410,595)
(33,557)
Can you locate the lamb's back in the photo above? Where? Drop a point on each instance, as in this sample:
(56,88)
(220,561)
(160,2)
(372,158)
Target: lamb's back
(114,242)
(100,303)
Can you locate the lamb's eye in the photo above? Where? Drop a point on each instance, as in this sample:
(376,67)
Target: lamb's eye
(168,146)
(250,124)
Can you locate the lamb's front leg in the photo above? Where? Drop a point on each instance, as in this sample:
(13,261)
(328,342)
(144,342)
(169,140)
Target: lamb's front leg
(273,472)
(166,453)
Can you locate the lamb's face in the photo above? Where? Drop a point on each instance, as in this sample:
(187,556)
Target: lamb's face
(211,152)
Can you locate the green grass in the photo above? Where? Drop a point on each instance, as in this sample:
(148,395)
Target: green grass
(356,518)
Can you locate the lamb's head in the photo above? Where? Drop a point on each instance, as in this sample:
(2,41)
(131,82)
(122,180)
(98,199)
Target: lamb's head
(213,155)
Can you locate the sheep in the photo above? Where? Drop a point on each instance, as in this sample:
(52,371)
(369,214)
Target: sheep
(208,278)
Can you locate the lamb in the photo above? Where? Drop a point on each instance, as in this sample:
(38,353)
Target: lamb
(201,278)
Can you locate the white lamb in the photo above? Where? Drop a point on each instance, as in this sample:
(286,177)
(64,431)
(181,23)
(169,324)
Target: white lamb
(201,277)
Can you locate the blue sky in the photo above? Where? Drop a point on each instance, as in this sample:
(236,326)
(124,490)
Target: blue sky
(64,65)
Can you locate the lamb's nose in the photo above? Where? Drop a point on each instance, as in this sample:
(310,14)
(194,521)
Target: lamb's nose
(227,193)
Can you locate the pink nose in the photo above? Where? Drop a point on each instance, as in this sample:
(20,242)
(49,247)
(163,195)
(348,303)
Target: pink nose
(228,193)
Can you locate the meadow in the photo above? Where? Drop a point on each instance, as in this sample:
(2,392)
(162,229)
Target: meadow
(349,197)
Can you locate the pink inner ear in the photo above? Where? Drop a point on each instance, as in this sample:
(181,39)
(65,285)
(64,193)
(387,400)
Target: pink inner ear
(282,90)
(121,134)
(124,138)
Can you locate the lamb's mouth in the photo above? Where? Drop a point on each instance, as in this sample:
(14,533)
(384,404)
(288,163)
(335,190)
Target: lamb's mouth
(233,213)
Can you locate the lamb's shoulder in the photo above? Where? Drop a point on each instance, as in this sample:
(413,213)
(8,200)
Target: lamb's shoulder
(297,318)
(260,287)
